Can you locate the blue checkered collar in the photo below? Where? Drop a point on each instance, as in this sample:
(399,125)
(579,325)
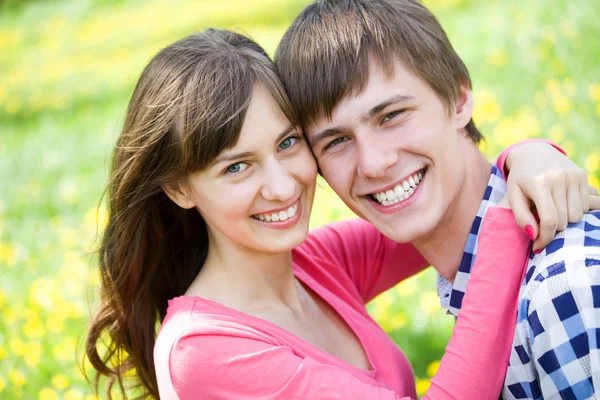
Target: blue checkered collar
(451,295)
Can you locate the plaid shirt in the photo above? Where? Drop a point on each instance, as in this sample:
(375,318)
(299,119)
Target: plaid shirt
(556,347)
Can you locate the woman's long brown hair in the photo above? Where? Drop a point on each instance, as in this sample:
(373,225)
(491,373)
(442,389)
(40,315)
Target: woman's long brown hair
(188,106)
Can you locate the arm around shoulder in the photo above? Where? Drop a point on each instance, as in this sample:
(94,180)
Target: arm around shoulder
(477,356)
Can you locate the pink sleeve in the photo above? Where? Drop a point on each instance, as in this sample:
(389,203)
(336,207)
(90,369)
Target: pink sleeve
(372,261)
(501,161)
(476,358)
(235,367)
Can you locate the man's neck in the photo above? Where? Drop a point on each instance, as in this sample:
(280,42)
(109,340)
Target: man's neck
(444,247)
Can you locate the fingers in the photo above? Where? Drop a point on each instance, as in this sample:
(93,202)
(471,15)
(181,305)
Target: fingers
(585,200)
(592,190)
(594,203)
(548,216)
(521,207)
(575,199)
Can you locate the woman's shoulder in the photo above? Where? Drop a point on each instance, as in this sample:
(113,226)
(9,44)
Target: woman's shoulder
(195,316)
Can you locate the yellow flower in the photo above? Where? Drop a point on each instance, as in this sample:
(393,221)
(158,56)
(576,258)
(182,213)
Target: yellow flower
(398,321)
(33,354)
(73,394)
(498,58)
(422,386)
(433,368)
(569,147)
(17,346)
(595,92)
(593,180)
(47,394)
(8,255)
(17,378)
(553,86)
(592,162)
(96,218)
(557,134)
(60,381)
(487,108)
(64,350)
(2,352)
(430,302)
(407,287)
(561,104)
(2,298)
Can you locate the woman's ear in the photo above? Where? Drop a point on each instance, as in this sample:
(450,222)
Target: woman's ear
(180,193)
(463,109)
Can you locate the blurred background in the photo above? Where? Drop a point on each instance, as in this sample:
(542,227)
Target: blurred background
(67,69)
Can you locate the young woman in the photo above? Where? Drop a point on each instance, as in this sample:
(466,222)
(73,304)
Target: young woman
(210,194)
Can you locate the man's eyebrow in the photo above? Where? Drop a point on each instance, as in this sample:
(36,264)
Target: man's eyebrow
(381,106)
(236,156)
(316,138)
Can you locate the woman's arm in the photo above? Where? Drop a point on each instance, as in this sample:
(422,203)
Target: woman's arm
(373,262)
(477,356)
(539,173)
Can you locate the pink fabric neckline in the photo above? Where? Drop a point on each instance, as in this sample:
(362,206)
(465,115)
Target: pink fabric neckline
(327,297)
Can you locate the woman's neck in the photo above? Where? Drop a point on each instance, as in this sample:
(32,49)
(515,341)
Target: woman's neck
(248,280)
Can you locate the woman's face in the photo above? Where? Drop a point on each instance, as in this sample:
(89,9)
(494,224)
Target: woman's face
(258,194)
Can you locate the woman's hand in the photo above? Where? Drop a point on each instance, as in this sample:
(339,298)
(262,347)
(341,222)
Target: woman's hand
(558,189)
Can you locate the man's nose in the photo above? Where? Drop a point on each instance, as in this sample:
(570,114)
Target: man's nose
(374,158)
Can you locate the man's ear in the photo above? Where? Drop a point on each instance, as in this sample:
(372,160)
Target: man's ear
(463,109)
(180,193)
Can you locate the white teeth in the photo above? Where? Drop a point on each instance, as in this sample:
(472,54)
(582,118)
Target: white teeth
(401,191)
(279,216)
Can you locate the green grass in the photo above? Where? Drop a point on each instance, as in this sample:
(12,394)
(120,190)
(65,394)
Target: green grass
(68,68)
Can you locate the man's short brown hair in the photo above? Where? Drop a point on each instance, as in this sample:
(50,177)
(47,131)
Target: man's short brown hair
(324,55)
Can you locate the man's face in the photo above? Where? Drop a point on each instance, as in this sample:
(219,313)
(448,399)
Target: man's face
(394,153)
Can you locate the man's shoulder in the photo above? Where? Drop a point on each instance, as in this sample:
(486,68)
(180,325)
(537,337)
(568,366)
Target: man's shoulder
(578,241)
(570,252)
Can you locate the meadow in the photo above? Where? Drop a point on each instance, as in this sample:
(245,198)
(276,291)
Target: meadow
(67,69)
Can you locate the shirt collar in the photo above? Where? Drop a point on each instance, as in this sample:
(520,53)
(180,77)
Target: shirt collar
(493,194)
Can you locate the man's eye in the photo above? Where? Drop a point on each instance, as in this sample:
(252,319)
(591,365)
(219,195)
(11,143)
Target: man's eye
(336,141)
(287,143)
(392,115)
(236,168)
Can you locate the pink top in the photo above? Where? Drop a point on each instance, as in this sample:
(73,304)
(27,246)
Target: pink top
(208,351)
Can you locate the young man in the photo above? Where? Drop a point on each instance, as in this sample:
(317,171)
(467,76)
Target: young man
(386,105)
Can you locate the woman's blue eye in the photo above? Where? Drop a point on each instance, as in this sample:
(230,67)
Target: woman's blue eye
(287,143)
(236,168)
